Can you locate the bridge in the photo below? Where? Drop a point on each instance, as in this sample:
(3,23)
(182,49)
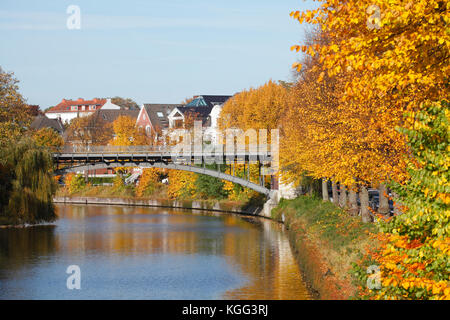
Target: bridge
(79,159)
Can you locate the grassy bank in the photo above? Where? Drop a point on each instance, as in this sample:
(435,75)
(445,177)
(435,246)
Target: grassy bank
(327,240)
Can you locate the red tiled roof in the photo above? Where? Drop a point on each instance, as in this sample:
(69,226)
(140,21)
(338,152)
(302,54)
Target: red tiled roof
(66,105)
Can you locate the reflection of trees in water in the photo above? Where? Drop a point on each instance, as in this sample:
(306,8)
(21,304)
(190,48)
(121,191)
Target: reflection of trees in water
(256,247)
(19,246)
(265,256)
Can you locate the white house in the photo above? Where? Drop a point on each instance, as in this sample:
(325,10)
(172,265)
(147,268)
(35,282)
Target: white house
(67,110)
(206,108)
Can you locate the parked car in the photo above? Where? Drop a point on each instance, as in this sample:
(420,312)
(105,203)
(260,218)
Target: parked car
(374,200)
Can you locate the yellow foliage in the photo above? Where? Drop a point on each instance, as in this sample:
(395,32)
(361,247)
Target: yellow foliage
(127,134)
(181,184)
(148,181)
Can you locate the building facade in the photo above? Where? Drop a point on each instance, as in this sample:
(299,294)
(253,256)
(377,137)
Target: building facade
(67,110)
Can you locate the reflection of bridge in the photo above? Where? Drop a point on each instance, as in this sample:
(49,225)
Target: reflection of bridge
(76,159)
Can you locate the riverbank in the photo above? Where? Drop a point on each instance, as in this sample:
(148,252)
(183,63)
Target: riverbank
(326,241)
(202,205)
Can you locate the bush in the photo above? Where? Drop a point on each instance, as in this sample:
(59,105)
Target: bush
(415,246)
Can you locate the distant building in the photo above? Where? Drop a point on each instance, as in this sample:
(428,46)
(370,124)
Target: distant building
(68,110)
(106,115)
(153,118)
(205,108)
(110,106)
(96,126)
(41,121)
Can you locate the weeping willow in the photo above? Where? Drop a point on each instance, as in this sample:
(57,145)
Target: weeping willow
(28,186)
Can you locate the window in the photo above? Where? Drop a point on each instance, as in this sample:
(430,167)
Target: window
(178,124)
(160,114)
(92,107)
(74,108)
(82,108)
(143,116)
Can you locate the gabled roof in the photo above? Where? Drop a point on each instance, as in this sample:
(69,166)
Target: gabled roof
(158,114)
(199,113)
(41,121)
(110,106)
(109,115)
(64,105)
(202,112)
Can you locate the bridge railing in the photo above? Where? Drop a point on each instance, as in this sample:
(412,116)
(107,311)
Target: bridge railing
(113,149)
(223,149)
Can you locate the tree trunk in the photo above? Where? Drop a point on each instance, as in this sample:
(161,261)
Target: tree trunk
(325,190)
(383,206)
(335,192)
(343,197)
(364,197)
(353,204)
(310,191)
(397,204)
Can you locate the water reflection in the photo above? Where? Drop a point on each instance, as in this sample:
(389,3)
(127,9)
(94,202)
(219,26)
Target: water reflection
(149,253)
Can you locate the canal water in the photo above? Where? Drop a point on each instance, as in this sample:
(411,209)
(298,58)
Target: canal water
(149,253)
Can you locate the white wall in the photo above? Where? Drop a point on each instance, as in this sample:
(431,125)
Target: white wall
(66,117)
(110,106)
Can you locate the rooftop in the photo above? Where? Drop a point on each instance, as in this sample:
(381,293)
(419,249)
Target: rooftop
(41,121)
(75,105)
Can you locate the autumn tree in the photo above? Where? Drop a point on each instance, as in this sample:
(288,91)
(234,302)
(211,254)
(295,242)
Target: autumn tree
(126,133)
(415,246)
(89,130)
(78,133)
(399,48)
(260,108)
(15,116)
(390,57)
(190,118)
(210,187)
(126,103)
(49,138)
(28,185)
(371,62)
(148,182)
(181,184)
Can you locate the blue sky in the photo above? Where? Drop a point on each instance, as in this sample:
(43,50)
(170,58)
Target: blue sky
(154,51)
